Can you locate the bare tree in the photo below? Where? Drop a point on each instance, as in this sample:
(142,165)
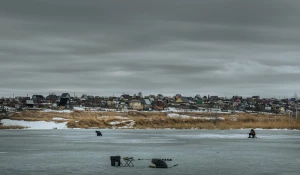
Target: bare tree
(296,106)
(1,110)
(296,103)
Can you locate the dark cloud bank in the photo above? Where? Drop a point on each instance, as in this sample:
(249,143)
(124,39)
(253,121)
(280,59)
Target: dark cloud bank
(217,47)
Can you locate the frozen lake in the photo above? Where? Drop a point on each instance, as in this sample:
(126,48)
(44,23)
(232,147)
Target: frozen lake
(81,152)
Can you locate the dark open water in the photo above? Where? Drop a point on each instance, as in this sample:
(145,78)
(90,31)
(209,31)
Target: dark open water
(81,152)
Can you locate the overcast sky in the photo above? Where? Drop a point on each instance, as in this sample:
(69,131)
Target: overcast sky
(97,47)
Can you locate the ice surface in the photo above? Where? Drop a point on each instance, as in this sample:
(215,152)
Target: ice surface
(204,152)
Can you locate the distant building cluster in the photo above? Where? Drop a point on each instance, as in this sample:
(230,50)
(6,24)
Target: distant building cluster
(157,102)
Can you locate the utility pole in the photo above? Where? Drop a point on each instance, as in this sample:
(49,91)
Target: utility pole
(297,112)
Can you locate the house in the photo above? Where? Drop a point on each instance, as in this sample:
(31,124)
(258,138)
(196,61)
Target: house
(37,98)
(52,98)
(182,99)
(249,100)
(135,104)
(166,99)
(91,100)
(255,97)
(65,101)
(146,104)
(125,97)
(151,99)
(214,98)
(159,96)
(116,100)
(199,101)
(65,95)
(84,97)
(122,106)
(159,105)
(110,102)
(29,103)
(222,98)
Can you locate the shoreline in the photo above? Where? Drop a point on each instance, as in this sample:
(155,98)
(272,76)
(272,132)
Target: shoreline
(24,127)
(147,120)
(257,129)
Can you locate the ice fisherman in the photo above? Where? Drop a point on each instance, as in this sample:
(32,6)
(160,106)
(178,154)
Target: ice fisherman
(98,133)
(252,134)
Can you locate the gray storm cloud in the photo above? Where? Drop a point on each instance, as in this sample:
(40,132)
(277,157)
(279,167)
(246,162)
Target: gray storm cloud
(217,47)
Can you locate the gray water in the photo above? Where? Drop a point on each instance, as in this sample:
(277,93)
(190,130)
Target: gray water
(51,152)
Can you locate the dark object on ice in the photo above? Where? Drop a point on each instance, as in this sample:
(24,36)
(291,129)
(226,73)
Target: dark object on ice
(159,163)
(252,134)
(157,158)
(99,133)
(115,160)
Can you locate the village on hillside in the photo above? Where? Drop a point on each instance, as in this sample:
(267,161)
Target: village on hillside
(157,102)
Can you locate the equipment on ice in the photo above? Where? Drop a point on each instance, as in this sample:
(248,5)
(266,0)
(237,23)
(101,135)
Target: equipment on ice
(158,163)
(116,161)
(157,158)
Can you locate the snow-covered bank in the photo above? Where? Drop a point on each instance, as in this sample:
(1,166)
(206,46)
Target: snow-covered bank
(59,111)
(35,124)
(174,115)
(128,124)
(59,118)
